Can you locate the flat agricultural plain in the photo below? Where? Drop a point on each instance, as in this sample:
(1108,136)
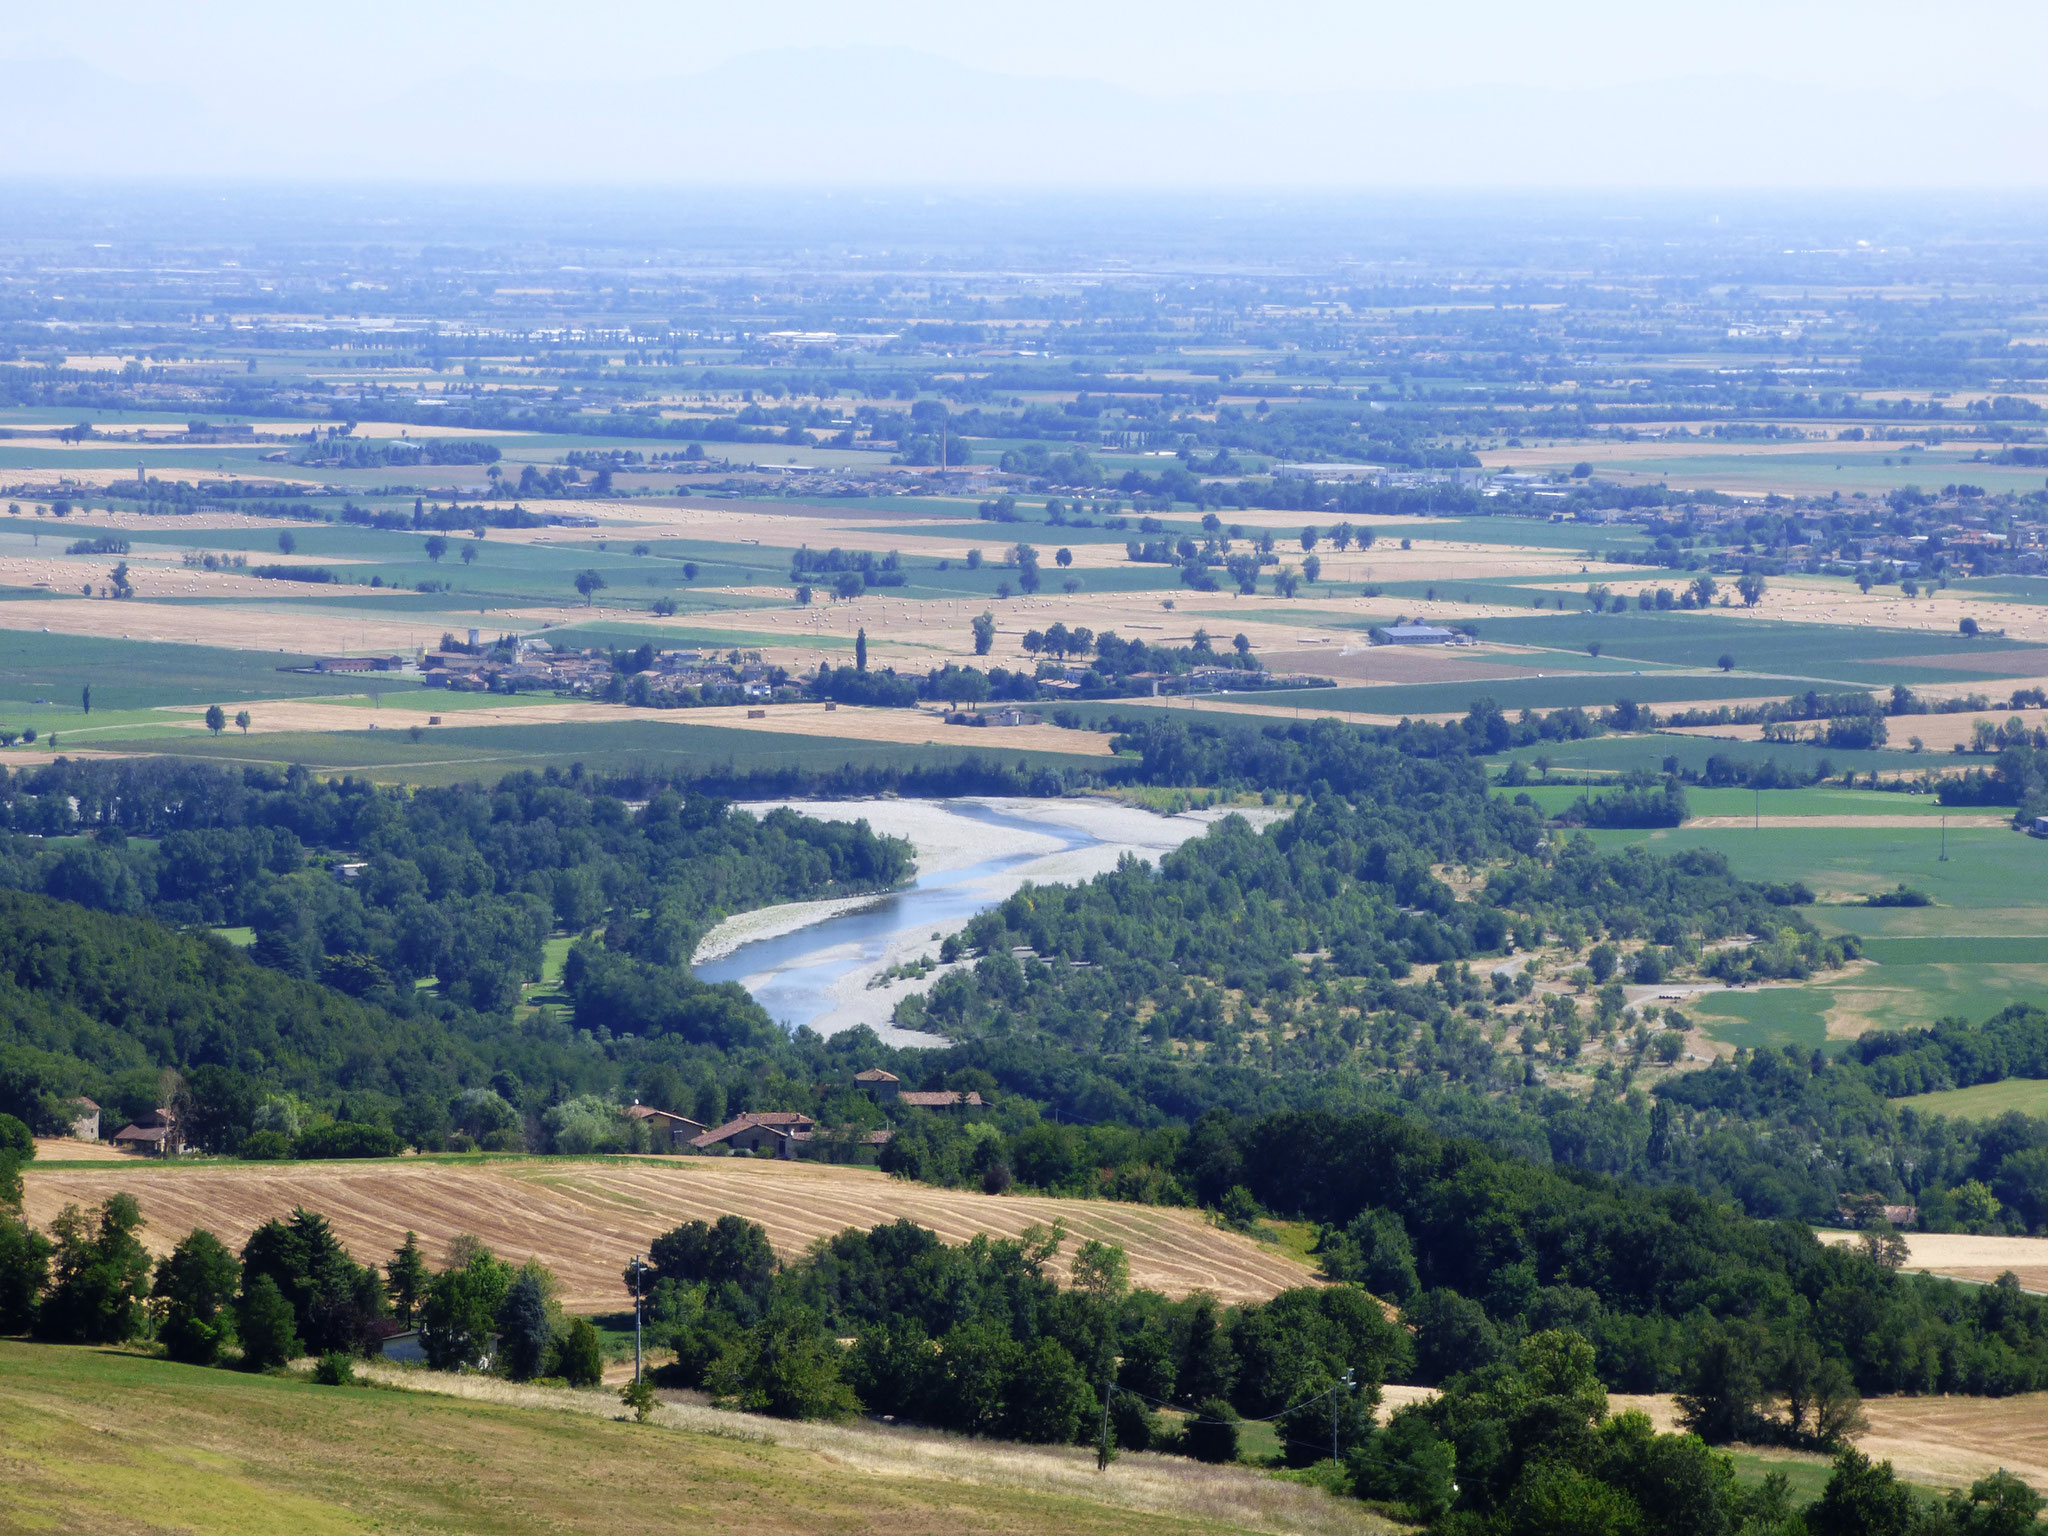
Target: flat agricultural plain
(586,1217)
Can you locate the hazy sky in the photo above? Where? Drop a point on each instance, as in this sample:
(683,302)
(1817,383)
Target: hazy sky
(1159,47)
(1778,93)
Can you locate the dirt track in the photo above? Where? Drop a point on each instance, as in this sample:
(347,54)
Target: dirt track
(587,1217)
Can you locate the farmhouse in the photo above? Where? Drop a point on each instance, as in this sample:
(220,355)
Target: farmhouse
(676,1129)
(1422,634)
(85,1119)
(156,1134)
(888,1087)
(359,664)
(944,1098)
(772,1131)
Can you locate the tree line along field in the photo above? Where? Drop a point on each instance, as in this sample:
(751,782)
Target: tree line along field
(586,1218)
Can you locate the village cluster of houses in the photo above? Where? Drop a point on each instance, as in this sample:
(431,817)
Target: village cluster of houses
(538,665)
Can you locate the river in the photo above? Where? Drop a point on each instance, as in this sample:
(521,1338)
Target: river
(811,963)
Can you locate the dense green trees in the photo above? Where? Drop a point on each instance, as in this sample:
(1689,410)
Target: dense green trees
(336,1303)
(460,1314)
(99,1275)
(194,1293)
(982,1338)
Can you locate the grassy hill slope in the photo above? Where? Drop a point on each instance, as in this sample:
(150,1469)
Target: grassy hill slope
(117,1443)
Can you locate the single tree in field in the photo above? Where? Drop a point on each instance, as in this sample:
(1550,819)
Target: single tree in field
(406,1278)
(268,1331)
(216,719)
(1726,663)
(589,583)
(1312,568)
(984,626)
(860,651)
(524,1329)
(1969,627)
(242,720)
(469,554)
(85,698)
(1065,558)
(1750,585)
(286,543)
(1309,536)
(437,546)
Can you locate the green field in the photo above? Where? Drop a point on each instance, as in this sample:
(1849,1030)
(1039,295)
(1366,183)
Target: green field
(1618,754)
(94,1440)
(1986,1101)
(1987,867)
(1586,690)
(1849,655)
(1820,800)
(138,675)
(1980,948)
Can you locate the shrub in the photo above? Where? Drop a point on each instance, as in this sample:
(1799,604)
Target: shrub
(334,1369)
(638,1396)
(579,1354)
(1132,1424)
(266,1147)
(346,1138)
(1211,1435)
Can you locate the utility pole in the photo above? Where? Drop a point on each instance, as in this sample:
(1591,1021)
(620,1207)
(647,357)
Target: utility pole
(1346,1385)
(1102,1447)
(1944,839)
(1757,809)
(636,1319)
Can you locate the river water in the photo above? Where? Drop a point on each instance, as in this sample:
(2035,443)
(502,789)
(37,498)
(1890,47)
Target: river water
(800,977)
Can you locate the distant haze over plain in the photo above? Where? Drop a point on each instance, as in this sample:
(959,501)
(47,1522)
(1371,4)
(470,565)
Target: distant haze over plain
(1470,95)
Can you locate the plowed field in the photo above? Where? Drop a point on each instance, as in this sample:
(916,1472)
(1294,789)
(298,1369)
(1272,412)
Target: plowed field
(586,1217)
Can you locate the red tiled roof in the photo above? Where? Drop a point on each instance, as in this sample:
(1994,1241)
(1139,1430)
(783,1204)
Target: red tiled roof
(945,1098)
(781,1121)
(876,1075)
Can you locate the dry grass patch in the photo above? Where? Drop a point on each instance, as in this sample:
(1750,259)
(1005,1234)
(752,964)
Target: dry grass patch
(584,1217)
(1167,1486)
(104,1441)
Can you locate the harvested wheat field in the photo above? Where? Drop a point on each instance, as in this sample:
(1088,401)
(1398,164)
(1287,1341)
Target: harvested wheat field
(1938,735)
(585,1217)
(847,722)
(63,1149)
(1964,1257)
